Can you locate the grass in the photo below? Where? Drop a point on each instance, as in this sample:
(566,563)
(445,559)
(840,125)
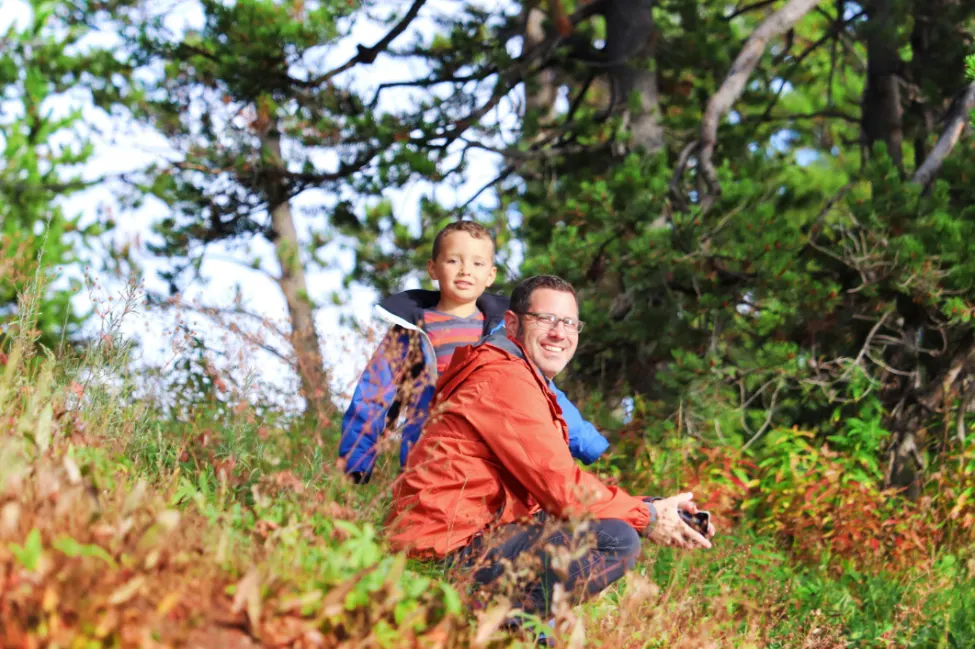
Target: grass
(124,523)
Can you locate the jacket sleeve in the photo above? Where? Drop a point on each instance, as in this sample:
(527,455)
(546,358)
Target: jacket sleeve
(365,418)
(518,425)
(585,442)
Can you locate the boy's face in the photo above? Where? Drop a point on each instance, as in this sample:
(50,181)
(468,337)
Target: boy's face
(464,268)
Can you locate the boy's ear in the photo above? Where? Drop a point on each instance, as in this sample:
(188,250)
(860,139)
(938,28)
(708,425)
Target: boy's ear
(492,276)
(432,270)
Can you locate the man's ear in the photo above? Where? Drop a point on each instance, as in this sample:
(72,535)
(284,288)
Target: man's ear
(511,323)
(432,270)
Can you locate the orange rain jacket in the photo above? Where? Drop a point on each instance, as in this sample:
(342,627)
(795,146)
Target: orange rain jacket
(494,450)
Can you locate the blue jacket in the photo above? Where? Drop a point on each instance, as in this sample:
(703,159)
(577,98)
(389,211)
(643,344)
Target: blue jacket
(401,378)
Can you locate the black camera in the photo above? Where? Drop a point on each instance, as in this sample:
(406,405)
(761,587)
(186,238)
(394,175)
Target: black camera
(700,521)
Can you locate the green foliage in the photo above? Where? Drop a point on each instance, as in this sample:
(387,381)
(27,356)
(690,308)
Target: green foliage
(45,146)
(258,122)
(782,341)
(817,299)
(29,554)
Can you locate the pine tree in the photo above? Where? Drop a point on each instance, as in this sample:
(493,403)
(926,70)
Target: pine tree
(42,66)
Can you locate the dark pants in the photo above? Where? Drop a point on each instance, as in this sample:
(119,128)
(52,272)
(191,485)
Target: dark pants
(533,550)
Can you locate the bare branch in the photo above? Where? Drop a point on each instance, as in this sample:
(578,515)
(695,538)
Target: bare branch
(831,35)
(768,419)
(955,123)
(682,160)
(866,345)
(507,171)
(367,55)
(535,153)
(739,10)
(516,73)
(966,402)
(427,82)
(734,84)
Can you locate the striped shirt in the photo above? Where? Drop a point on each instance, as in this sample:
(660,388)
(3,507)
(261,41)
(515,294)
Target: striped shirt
(448,332)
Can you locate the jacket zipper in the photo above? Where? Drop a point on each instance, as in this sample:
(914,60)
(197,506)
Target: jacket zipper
(394,319)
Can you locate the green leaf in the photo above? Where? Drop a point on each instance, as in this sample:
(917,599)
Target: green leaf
(29,554)
(73,548)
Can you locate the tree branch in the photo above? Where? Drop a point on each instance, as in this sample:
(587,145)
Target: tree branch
(739,10)
(535,153)
(955,123)
(768,418)
(367,55)
(516,73)
(734,84)
(507,171)
(426,83)
(832,34)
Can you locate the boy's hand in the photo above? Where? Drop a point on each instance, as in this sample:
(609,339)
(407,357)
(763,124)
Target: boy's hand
(670,530)
(360,477)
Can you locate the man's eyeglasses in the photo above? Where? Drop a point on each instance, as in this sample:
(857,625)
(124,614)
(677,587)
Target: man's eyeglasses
(549,320)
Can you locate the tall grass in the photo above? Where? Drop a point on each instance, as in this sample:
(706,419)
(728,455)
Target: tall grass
(127,523)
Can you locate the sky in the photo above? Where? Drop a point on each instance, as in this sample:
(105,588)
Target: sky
(123,147)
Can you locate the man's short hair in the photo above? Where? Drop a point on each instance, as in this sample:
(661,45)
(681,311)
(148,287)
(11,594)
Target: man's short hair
(472,228)
(521,296)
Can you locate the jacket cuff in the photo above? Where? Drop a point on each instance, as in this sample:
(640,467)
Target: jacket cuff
(590,450)
(653,518)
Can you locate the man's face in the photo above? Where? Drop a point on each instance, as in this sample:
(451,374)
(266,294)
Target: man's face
(549,347)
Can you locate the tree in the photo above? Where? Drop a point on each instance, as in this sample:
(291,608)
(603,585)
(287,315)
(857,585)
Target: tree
(258,121)
(794,252)
(763,206)
(44,145)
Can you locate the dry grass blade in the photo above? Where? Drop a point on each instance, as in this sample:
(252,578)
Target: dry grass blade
(247,598)
(489,621)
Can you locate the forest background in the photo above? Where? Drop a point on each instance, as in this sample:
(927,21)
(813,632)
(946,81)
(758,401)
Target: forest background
(765,206)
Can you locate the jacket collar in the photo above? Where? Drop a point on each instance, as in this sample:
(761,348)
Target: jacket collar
(501,340)
(409,306)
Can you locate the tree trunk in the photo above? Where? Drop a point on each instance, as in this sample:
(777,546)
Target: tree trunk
(882,109)
(906,461)
(630,45)
(301,312)
(542,90)
(936,77)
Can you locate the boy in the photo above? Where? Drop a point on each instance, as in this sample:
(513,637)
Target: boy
(427,326)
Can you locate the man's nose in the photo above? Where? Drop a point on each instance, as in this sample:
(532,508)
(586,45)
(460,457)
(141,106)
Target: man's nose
(558,330)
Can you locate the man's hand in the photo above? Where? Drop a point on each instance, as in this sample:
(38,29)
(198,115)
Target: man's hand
(670,530)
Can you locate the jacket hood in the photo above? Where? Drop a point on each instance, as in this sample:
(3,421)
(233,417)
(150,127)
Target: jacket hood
(409,306)
(467,360)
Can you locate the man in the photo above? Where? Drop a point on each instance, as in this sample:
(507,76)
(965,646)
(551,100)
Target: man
(493,463)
